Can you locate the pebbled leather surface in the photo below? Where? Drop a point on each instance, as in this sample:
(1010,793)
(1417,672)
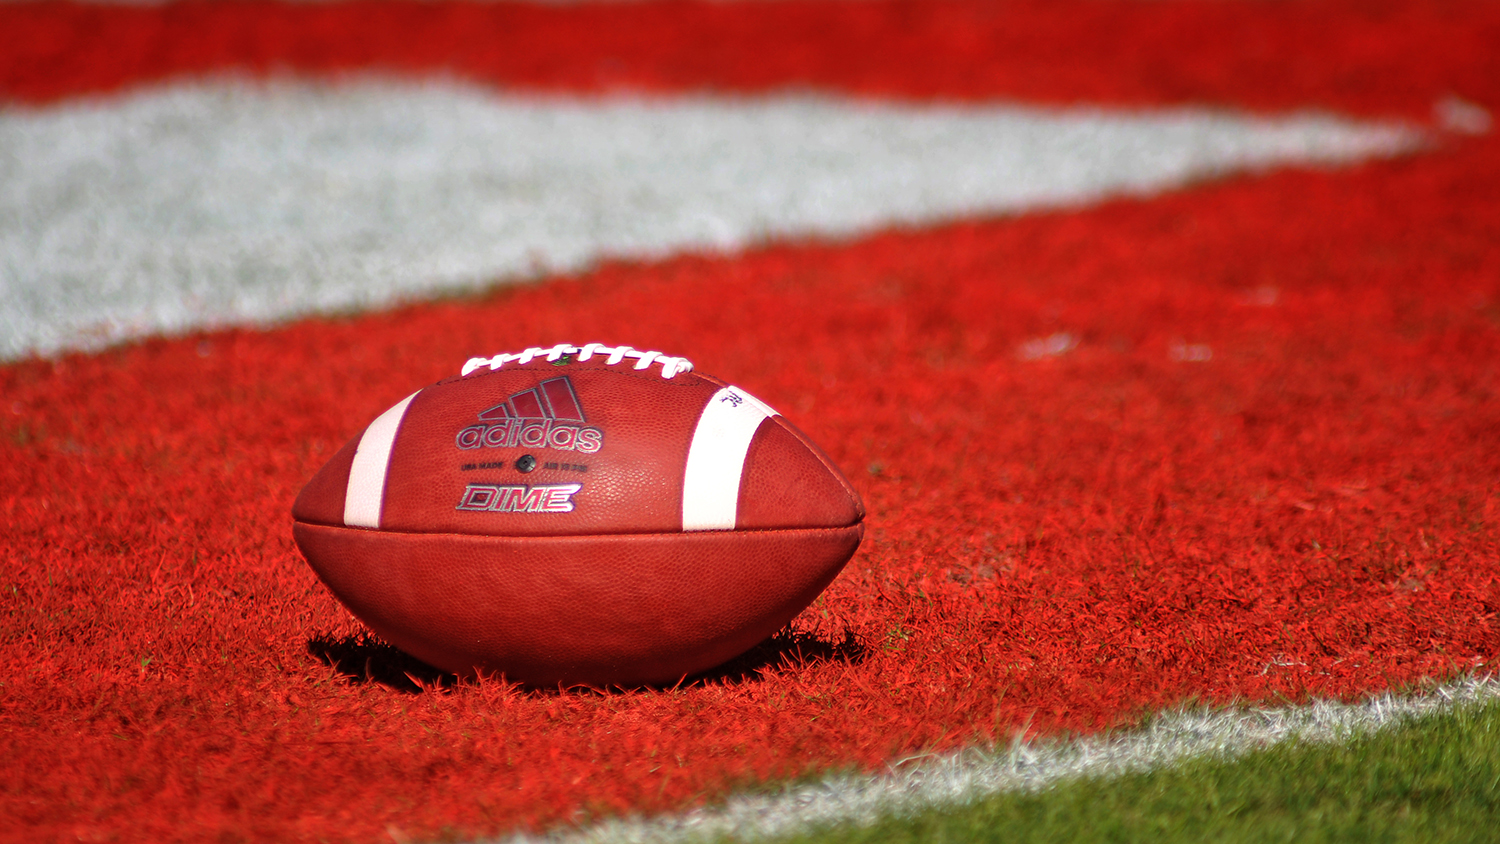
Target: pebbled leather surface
(631,484)
(322,500)
(621,610)
(789,482)
(610,593)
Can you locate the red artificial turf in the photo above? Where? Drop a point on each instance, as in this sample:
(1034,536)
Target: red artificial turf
(1055,544)
(1366,56)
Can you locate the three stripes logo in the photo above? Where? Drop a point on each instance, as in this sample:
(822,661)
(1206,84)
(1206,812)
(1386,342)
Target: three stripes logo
(548,415)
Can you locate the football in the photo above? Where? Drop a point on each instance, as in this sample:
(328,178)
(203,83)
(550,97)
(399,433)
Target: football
(578,515)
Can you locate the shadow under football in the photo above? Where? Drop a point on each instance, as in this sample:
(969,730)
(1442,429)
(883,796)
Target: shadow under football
(365,658)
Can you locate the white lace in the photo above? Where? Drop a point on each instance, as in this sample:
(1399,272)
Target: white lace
(670,366)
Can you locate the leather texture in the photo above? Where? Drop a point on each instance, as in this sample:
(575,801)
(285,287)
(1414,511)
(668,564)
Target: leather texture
(631,484)
(613,610)
(322,500)
(577,571)
(789,482)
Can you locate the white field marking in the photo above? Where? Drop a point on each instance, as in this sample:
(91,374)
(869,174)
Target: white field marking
(967,776)
(221,202)
(716,459)
(364,497)
(1051,346)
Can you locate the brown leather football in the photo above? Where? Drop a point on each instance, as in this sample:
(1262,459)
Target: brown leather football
(578,515)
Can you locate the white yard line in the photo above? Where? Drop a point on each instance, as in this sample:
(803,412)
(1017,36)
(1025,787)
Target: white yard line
(222,202)
(969,775)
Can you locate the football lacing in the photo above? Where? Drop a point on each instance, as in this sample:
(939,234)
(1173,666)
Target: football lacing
(670,366)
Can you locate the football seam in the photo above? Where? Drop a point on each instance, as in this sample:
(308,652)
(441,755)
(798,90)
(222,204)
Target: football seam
(569,536)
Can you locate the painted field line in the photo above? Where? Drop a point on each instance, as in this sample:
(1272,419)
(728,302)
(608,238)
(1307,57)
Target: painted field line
(969,775)
(209,204)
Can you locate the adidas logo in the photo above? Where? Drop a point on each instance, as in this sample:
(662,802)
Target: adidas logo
(548,415)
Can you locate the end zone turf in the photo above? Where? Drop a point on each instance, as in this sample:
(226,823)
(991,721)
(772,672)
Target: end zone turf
(1078,540)
(1231,443)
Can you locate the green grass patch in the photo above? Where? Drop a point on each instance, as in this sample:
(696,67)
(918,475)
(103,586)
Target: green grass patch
(1430,780)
